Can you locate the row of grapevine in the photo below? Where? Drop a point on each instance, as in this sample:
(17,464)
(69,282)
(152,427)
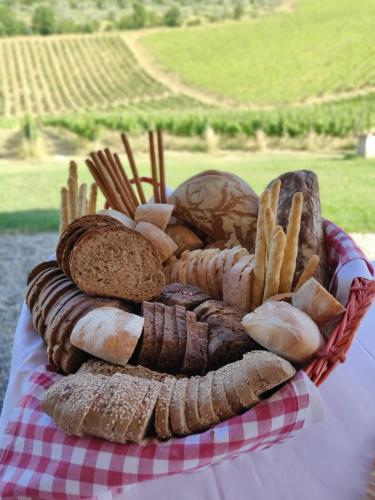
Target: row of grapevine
(69,74)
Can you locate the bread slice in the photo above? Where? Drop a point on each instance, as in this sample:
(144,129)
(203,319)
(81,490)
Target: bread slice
(180,315)
(65,285)
(159,335)
(220,402)
(157,214)
(108,333)
(142,418)
(207,413)
(97,366)
(177,408)
(233,256)
(45,294)
(99,419)
(68,386)
(146,355)
(37,270)
(58,393)
(169,354)
(164,245)
(225,373)
(162,420)
(213,288)
(193,260)
(118,216)
(132,396)
(79,404)
(117,262)
(37,285)
(265,370)
(195,359)
(219,271)
(192,405)
(237,284)
(242,385)
(203,269)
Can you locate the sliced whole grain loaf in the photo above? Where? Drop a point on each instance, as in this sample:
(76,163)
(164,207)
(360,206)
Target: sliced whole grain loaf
(146,354)
(143,417)
(70,386)
(158,334)
(39,269)
(58,306)
(192,405)
(169,354)
(183,295)
(162,420)
(242,385)
(37,285)
(44,295)
(177,409)
(58,393)
(207,413)
(180,313)
(230,389)
(195,359)
(220,402)
(117,262)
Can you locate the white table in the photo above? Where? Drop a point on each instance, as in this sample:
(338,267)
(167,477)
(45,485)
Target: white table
(331,460)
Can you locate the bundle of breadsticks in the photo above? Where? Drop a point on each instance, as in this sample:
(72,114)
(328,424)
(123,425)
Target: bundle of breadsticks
(74,201)
(275,251)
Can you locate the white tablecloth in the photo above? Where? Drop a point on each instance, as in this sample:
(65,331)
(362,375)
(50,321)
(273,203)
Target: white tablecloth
(331,460)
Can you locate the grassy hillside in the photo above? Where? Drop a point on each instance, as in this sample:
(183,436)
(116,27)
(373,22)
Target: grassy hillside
(323,46)
(346,185)
(57,75)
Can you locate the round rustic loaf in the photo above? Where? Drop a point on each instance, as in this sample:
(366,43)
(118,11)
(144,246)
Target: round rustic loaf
(219,204)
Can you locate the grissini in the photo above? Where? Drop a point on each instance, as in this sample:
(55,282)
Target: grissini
(274,264)
(285,330)
(64,213)
(291,244)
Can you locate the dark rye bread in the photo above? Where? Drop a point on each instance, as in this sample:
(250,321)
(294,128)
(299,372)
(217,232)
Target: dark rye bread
(227,338)
(37,285)
(62,300)
(159,321)
(116,261)
(195,359)
(169,354)
(183,295)
(65,285)
(146,354)
(180,313)
(311,236)
(39,268)
(45,294)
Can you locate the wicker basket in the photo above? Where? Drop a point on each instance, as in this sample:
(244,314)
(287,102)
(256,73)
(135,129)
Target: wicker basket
(361,295)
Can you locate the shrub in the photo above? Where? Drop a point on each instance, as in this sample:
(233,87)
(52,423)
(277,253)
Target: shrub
(173,17)
(43,20)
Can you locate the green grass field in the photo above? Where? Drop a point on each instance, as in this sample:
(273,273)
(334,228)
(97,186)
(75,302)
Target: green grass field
(29,191)
(322,46)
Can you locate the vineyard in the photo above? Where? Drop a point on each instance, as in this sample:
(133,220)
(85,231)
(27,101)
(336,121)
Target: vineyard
(74,74)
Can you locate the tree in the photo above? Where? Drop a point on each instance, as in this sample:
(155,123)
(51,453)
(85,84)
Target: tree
(173,17)
(139,15)
(43,20)
(238,10)
(9,24)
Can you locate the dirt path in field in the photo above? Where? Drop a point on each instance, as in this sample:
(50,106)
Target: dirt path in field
(176,84)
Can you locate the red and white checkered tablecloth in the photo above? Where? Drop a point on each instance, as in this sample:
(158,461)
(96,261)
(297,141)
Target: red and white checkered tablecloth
(40,461)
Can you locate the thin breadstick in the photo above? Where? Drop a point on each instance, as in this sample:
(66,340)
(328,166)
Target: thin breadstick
(291,245)
(129,187)
(73,170)
(113,173)
(91,207)
(259,271)
(98,179)
(123,187)
(64,216)
(309,271)
(275,260)
(82,199)
(154,172)
(269,224)
(163,193)
(275,193)
(85,212)
(72,205)
(133,167)
(117,202)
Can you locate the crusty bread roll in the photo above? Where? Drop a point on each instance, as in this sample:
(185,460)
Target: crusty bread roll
(284,330)
(164,245)
(184,238)
(219,204)
(158,214)
(119,216)
(317,302)
(108,333)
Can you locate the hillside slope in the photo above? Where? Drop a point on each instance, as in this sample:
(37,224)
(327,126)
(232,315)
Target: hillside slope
(321,47)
